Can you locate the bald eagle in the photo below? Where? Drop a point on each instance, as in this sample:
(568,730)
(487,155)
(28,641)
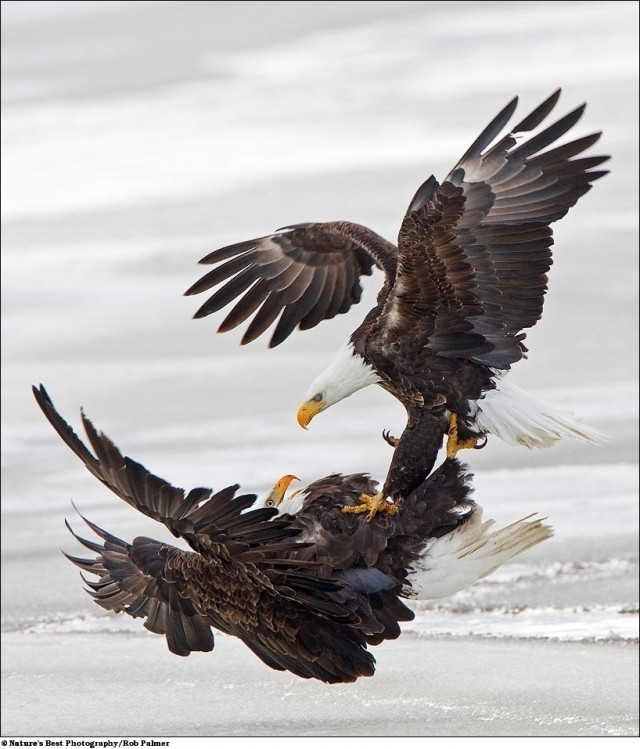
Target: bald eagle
(467,278)
(306,587)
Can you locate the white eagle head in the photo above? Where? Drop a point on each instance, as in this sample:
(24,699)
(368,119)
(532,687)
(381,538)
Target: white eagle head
(346,374)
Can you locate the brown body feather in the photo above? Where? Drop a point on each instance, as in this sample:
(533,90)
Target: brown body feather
(350,547)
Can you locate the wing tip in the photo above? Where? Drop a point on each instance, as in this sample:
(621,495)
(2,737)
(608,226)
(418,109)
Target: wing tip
(593,176)
(249,337)
(42,397)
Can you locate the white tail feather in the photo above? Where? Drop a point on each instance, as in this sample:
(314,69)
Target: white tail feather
(459,559)
(523,419)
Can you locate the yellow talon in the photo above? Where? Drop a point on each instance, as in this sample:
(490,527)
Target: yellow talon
(373,504)
(453,445)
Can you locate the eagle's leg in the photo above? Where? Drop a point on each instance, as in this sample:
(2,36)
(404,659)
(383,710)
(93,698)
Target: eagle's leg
(373,504)
(390,439)
(453,444)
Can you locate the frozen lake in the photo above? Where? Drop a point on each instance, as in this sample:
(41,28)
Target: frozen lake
(137,137)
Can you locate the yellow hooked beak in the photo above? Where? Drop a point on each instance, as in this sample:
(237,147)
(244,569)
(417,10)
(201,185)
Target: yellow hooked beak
(308,410)
(276,495)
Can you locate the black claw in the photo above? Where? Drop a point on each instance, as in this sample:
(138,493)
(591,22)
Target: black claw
(386,436)
(478,446)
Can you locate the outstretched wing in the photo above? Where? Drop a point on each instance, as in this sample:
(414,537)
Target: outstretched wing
(290,619)
(302,275)
(244,579)
(220,516)
(474,251)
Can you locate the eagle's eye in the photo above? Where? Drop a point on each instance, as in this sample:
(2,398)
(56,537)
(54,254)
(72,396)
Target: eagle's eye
(317,397)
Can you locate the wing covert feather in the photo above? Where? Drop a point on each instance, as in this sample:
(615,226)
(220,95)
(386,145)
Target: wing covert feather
(302,274)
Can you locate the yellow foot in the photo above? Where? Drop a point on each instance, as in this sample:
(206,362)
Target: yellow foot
(453,445)
(373,504)
(390,439)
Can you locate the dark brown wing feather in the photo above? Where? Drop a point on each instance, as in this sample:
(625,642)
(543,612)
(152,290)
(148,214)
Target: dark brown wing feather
(291,620)
(131,580)
(299,276)
(243,577)
(192,516)
(474,251)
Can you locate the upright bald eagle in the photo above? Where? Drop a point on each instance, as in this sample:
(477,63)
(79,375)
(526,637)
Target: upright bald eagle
(467,278)
(307,591)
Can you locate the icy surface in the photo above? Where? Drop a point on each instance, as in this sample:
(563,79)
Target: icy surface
(137,137)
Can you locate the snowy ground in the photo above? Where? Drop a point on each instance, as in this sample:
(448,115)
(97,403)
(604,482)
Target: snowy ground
(139,136)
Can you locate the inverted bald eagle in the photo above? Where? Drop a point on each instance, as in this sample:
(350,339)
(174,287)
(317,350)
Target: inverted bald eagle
(307,591)
(435,545)
(467,278)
